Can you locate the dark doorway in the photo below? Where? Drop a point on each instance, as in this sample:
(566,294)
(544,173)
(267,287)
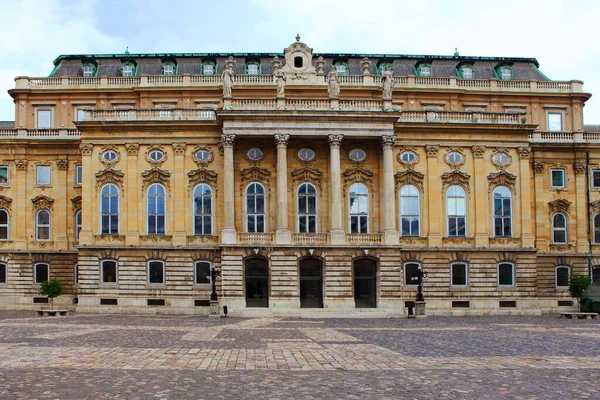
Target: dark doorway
(311,283)
(257,282)
(365,276)
(596,276)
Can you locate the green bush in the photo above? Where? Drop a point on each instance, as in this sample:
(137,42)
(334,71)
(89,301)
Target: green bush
(52,289)
(590,305)
(578,285)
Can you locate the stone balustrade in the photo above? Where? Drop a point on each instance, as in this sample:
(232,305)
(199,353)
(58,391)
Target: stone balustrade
(57,134)
(316,238)
(363,238)
(255,237)
(152,114)
(462,117)
(564,137)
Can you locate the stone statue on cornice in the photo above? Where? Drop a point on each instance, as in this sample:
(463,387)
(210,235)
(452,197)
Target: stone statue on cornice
(227,76)
(333,83)
(281,80)
(387,83)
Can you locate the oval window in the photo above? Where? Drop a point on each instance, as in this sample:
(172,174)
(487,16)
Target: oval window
(358,155)
(203,155)
(408,156)
(454,157)
(156,155)
(306,154)
(109,155)
(255,154)
(500,158)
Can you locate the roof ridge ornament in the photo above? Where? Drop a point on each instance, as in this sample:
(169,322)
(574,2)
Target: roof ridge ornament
(127,50)
(297,37)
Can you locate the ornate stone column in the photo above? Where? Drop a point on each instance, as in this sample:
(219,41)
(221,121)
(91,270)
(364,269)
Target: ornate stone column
(132,231)
(581,207)
(527,239)
(337,234)
(434,205)
(179,209)
(88,196)
(228,234)
(542,233)
(282,235)
(62,214)
(21,211)
(390,233)
(482,234)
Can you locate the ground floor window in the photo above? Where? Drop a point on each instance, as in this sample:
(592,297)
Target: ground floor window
(458,274)
(257,282)
(156,272)
(563,274)
(202,272)
(3,273)
(41,272)
(506,274)
(365,278)
(411,274)
(108,271)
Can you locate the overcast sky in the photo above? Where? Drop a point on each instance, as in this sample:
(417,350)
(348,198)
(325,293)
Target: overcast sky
(562,35)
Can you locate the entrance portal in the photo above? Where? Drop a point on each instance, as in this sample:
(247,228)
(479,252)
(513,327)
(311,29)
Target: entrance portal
(365,275)
(257,283)
(311,283)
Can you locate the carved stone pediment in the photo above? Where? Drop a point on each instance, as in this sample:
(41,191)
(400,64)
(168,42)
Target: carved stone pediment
(256,174)
(202,175)
(456,178)
(109,175)
(307,174)
(357,175)
(42,201)
(156,175)
(76,201)
(559,205)
(501,178)
(5,202)
(409,177)
(298,49)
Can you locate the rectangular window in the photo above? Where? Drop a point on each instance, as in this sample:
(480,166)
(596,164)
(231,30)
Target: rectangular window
(75,274)
(202,272)
(79,114)
(506,74)
(168,69)
(425,70)
(252,69)
(156,273)
(208,69)
(3,175)
(506,275)
(109,272)
(341,69)
(557,178)
(88,71)
(562,277)
(41,273)
(555,121)
(458,274)
(467,72)
(596,178)
(127,70)
(411,274)
(42,175)
(78,174)
(43,119)
(3,274)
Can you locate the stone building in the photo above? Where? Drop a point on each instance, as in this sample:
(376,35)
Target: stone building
(307,180)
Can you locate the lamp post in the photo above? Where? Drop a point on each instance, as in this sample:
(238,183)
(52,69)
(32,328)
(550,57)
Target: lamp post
(420,299)
(214,301)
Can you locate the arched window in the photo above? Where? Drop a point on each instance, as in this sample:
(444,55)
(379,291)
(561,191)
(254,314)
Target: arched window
(41,273)
(109,271)
(409,211)
(156,209)
(563,274)
(169,68)
(3,273)
(456,211)
(506,274)
(202,274)
(411,274)
(156,272)
(202,210)
(42,225)
(502,212)
(359,208)
(559,228)
(307,208)
(77,225)
(4,225)
(597,228)
(109,220)
(459,274)
(255,208)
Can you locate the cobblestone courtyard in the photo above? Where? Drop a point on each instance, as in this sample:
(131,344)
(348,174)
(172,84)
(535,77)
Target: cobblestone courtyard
(130,357)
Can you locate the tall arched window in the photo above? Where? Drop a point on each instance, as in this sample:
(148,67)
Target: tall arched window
(307,208)
(4,225)
(109,210)
(255,208)
(456,211)
(559,228)
(42,225)
(202,210)
(502,212)
(562,276)
(409,211)
(597,228)
(358,208)
(156,209)
(77,225)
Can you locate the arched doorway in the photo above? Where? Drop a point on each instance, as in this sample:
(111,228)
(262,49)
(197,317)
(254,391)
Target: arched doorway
(257,282)
(311,283)
(365,277)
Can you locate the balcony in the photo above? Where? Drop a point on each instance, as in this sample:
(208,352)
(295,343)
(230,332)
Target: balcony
(151,114)
(255,237)
(32,134)
(364,238)
(310,238)
(462,117)
(564,137)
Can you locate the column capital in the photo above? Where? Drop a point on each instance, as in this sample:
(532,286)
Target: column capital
(227,140)
(62,164)
(179,147)
(132,148)
(432,150)
(538,167)
(388,141)
(478,151)
(579,168)
(335,141)
(524,152)
(86,149)
(281,139)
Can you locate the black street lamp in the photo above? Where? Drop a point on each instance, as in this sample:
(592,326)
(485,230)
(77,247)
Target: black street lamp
(419,279)
(213,274)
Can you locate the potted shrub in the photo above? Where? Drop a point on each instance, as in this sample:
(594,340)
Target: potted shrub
(52,289)
(578,285)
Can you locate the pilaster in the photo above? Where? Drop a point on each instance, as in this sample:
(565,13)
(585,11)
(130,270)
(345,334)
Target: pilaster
(337,235)
(435,206)
(282,235)
(61,210)
(541,213)
(179,233)
(87,195)
(581,208)
(527,238)
(482,233)
(390,233)
(228,234)
(132,234)
(19,205)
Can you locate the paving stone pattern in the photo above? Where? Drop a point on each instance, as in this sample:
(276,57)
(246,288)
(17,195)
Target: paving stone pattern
(139,357)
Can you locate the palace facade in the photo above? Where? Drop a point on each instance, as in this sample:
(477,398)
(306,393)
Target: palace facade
(305,180)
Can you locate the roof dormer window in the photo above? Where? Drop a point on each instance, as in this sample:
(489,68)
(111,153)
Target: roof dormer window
(504,72)
(424,70)
(341,67)
(467,72)
(209,67)
(89,70)
(383,65)
(127,69)
(169,68)
(253,67)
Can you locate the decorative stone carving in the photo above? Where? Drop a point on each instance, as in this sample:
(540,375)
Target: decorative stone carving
(455,164)
(358,174)
(456,178)
(432,150)
(282,139)
(335,141)
(280,79)
(256,174)
(579,168)
(307,174)
(387,83)
(478,151)
(333,88)
(276,63)
(227,140)
(294,50)
(156,163)
(107,176)
(42,201)
(524,152)
(109,163)
(21,165)
(502,178)
(320,66)
(76,201)
(86,149)
(500,158)
(365,64)
(179,147)
(595,205)
(538,167)
(228,78)
(202,175)
(409,177)
(132,148)
(559,205)
(202,163)
(5,202)
(156,175)
(408,163)
(388,141)
(62,164)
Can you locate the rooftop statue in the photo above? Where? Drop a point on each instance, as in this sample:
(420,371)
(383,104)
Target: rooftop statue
(281,80)
(227,81)
(387,83)
(334,84)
